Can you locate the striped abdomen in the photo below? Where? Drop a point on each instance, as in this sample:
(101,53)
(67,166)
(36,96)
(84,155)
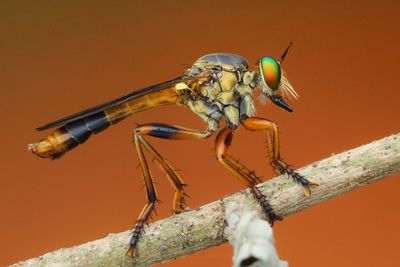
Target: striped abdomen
(77,132)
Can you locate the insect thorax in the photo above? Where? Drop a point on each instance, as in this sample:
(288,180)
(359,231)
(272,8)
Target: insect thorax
(227,93)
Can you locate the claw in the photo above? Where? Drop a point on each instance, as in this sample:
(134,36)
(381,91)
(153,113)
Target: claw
(131,252)
(306,185)
(307,191)
(298,178)
(272,217)
(182,209)
(178,211)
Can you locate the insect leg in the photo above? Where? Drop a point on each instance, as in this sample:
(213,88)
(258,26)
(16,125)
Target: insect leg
(151,199)
(173,132)
(167,132)
(222,143)
(277,163)
(173,177)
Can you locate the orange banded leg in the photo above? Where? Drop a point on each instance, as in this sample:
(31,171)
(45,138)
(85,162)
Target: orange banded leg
(173,132)
(167,132)
(257,124)
(151,195)
(222,143)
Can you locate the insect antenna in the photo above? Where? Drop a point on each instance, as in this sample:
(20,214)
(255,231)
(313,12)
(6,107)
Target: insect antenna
(280,60)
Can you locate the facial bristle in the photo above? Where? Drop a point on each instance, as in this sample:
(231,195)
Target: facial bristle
(286,89)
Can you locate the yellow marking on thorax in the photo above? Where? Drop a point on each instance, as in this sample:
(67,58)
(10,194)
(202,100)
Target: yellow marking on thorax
(228,80)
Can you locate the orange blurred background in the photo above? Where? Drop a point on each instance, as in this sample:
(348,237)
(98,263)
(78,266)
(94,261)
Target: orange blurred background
(59,57)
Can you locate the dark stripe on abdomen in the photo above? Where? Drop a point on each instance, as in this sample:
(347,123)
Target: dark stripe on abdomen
(82,129)
(97,122)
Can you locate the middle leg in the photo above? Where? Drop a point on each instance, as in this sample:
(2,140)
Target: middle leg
(222,143)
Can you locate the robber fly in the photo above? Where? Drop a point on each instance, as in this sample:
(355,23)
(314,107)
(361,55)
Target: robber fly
(215,86)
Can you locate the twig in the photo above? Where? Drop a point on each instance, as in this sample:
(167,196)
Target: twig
(203,227)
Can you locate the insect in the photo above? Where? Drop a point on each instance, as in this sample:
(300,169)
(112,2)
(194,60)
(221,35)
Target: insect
(216,86)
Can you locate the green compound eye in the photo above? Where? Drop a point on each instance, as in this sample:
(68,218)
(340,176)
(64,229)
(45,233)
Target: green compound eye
(271,72)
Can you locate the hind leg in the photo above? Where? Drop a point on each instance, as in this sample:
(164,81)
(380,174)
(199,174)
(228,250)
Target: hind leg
(171,132)
(167,132)
(151,195)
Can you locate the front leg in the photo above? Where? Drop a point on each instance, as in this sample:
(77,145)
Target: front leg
(257,124)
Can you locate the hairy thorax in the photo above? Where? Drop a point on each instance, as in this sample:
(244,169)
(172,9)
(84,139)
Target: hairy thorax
(226,94)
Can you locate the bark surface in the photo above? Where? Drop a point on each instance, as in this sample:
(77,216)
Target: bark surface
(203,227)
